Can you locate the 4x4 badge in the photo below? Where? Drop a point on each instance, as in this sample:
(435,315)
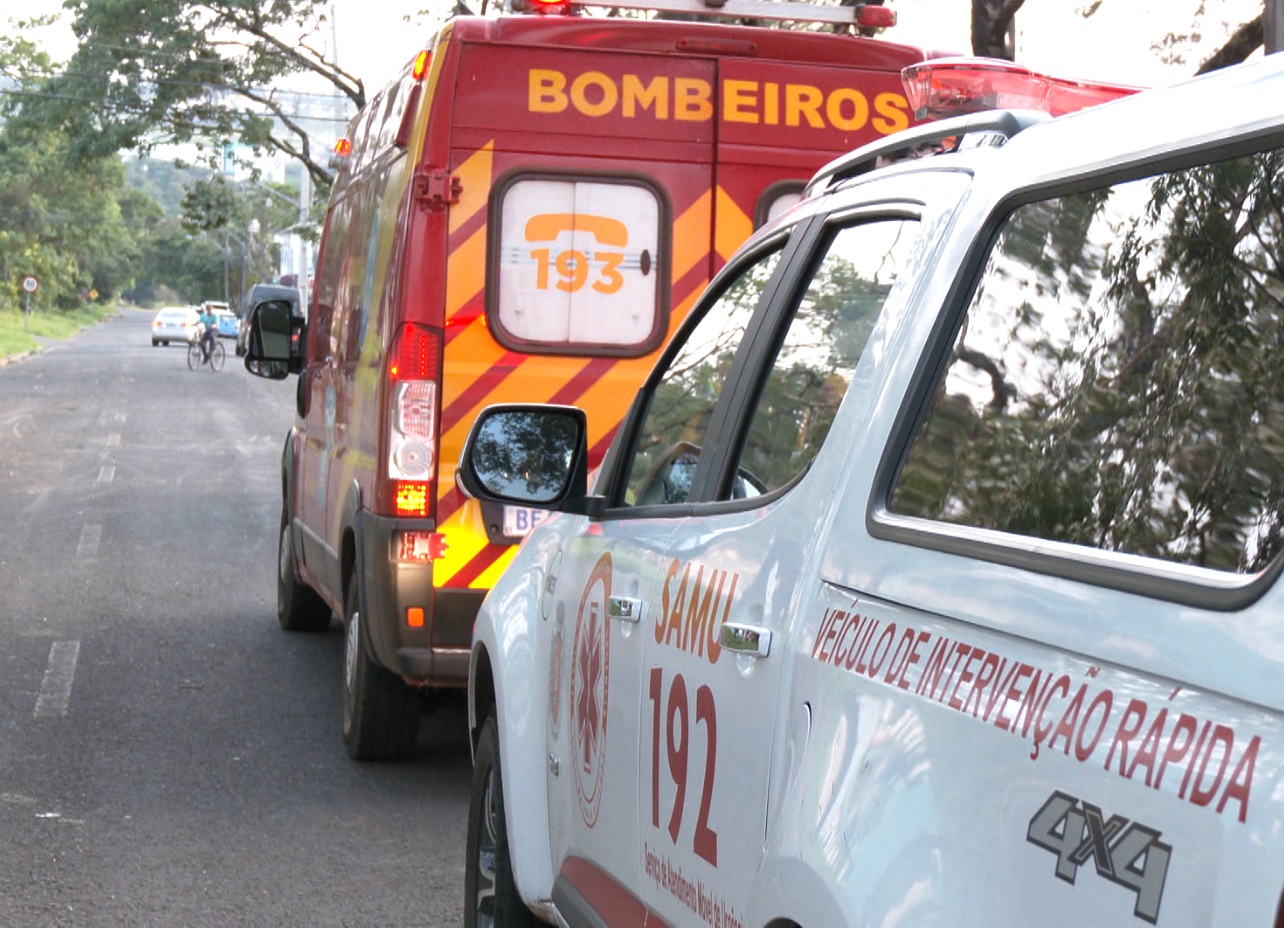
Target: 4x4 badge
(1124,852)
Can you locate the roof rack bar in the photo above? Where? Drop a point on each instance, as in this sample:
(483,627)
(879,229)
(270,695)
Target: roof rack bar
(1006,123)
(755,9)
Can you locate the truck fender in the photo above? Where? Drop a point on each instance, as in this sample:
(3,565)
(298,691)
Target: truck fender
(791,892)
(352,564)
(289,467)
(518,695)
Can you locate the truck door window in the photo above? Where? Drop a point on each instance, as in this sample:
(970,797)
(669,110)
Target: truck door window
(817,359)
(579,267)
(669,443)
(1116,382)
(328,295)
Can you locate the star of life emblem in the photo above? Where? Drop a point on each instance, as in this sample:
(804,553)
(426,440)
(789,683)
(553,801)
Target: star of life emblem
(590,685)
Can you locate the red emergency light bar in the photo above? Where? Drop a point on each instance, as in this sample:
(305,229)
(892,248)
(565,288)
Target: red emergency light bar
(873,16)
(420,67)
(870,15)
(944,87)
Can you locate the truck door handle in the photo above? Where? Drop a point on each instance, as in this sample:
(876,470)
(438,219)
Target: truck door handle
(749,640)
(625,609)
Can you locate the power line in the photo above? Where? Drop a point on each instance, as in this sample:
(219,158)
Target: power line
(108,102)
(174,82)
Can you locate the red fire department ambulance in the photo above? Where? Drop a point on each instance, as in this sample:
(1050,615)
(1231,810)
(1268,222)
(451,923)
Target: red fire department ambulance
(526,213)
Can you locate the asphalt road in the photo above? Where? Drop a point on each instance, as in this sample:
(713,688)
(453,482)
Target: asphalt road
(168,755)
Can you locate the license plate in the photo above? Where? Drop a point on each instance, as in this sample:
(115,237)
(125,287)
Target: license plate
(518,520)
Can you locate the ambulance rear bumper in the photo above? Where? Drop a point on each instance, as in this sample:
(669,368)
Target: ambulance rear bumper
(434,654)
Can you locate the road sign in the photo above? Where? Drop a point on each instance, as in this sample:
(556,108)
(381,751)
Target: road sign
(30,284)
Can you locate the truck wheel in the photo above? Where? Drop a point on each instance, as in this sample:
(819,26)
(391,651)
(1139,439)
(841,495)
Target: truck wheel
(380,711)
(299,608)
(491,897)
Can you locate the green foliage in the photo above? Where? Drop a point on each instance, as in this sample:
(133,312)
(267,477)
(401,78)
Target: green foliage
(20,332)
(188,265)
(60,220)
(160,181)
(67,218)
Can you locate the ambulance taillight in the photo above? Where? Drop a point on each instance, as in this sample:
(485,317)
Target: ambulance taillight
(414,375)
(944,87)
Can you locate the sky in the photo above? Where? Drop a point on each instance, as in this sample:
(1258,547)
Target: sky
(1053,36)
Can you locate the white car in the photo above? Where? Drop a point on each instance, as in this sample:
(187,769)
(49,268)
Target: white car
(934,577)
(176,324)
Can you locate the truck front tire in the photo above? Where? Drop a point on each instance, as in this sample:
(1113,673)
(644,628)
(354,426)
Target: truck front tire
(491,897)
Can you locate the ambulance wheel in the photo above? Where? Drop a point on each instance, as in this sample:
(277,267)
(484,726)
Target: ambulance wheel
(380,711)
(299,608)
(490,894)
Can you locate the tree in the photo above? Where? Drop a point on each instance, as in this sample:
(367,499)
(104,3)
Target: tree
(994,22)
(61,216)
(993,28)
(151,72)
(177,264)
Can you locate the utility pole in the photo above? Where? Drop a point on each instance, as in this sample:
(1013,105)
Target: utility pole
(1273,26)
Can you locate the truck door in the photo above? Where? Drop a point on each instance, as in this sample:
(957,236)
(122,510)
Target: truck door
(718,648)
(609,574)
(625,567)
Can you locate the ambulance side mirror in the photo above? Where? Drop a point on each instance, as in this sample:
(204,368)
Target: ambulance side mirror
(274,348)
(529,455)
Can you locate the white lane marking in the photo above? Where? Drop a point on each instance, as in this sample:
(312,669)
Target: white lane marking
(55,688)
(90,535)
(105,474)
(113,440)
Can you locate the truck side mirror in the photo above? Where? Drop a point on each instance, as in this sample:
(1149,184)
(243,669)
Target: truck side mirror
(530,455)
(273,349)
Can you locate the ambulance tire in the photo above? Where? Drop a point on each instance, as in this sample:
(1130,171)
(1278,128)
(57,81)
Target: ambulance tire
(381,712)
(490,893)
(299,608)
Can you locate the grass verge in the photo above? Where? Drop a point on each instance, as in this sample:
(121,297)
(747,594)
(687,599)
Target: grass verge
(19,331)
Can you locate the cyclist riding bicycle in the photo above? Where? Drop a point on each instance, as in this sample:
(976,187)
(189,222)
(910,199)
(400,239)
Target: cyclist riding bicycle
(210,333)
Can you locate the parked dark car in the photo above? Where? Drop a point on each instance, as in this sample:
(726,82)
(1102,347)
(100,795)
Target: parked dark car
(257,294)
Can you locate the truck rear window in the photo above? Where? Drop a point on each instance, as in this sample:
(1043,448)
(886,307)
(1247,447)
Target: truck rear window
(1116,382)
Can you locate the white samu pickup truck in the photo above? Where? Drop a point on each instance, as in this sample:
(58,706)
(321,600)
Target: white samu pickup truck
(933,577)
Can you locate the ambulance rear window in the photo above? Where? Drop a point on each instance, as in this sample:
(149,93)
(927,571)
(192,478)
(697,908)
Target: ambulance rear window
(577,266)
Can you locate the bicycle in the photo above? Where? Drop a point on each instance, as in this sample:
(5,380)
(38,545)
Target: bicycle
(196,357)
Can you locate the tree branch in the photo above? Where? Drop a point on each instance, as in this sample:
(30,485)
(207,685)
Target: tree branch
(320,174)
(1243,42)
(347,84)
